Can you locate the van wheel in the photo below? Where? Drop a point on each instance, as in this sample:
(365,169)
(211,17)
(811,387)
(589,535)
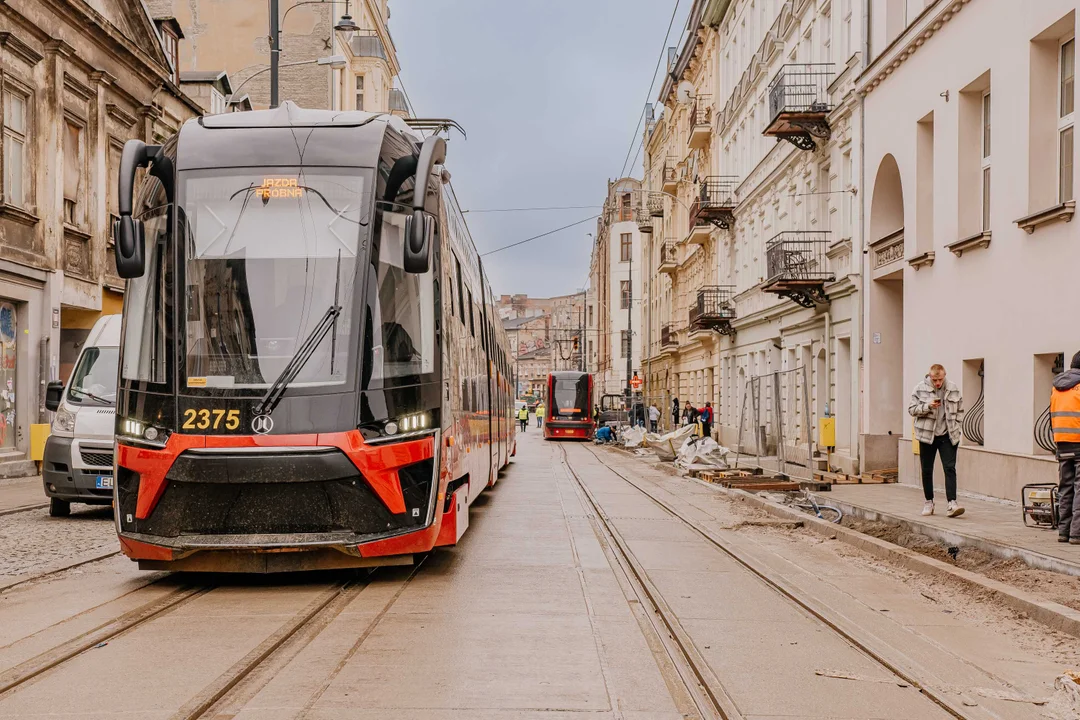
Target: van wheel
(59,508)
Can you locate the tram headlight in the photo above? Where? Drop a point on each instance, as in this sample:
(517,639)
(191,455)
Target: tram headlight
(413,423)
(391,428)
(64,421)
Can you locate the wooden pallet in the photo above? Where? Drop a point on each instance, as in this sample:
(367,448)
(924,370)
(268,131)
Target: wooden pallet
(876,477)
(815,486)
(773,484)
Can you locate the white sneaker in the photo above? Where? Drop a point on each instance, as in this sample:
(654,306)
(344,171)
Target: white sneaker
(954,510)
(928,507)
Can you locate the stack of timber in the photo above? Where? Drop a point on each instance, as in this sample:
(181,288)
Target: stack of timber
(875,477)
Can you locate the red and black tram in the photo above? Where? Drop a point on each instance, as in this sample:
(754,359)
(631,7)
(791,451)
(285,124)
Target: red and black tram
(568,407)
(312,373)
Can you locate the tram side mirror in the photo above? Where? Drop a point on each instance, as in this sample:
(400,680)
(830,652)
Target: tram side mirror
(420,236)
(54,393)
(130,241)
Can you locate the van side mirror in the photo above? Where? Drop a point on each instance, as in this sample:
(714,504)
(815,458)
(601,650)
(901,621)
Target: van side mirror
(421,236)
(129,249)
(54,393)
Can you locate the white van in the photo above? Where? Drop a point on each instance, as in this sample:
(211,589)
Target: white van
(78,463)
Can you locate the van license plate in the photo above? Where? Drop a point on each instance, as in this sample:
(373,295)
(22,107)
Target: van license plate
(104,482)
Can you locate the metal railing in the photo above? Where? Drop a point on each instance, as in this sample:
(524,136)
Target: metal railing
(670,174)
(668,253)
(714,303)
(367,43)
(801,88)
(655,204)
(798,255)
(715,193)
(702,111)
(667,336)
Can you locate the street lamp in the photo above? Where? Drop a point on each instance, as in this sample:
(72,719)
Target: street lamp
(335,62)
(345,25)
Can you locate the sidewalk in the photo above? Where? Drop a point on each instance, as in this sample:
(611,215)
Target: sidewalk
(988,524)
(21,493)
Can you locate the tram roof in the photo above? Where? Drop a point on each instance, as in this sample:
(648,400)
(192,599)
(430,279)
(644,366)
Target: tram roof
(287,135)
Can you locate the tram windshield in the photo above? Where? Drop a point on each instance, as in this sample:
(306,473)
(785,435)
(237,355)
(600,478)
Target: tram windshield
(266,255)
(571,398)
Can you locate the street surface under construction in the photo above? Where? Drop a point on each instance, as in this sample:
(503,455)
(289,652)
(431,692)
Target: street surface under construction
(591,585)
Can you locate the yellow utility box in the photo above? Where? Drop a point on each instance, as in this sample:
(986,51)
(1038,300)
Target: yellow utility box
(39,432)
(827,432)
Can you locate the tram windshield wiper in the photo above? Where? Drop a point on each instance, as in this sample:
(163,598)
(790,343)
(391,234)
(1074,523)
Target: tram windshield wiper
(296,363)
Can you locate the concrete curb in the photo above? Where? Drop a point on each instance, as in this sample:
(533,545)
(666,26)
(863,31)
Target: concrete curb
(1050,614)
(991,547)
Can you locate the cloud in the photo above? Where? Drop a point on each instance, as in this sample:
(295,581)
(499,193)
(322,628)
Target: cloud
(549,92)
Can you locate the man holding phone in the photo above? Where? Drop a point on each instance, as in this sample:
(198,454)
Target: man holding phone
(938,409)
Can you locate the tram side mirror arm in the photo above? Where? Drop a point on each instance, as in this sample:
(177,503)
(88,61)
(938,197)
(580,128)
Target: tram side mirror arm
(420,237)
(129,250)
(54,393)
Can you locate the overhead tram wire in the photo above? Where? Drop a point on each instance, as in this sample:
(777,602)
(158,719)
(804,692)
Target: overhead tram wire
(659,62)
(529,209)
(537,237)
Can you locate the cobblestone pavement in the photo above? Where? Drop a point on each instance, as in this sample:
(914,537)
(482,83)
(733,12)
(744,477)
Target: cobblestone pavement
(31,541)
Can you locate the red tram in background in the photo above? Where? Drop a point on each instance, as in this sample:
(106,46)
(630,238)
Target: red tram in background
(568,406)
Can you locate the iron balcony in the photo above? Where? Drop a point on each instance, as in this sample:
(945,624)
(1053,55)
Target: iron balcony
(671,178)
(367,43)
(715,202)
(667,336)
(799,104)
(714,309)
(668,262)
(701,121)
(797,265)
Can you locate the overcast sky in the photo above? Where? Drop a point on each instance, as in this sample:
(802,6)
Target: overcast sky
(549,92)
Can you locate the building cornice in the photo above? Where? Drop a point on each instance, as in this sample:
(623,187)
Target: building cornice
(932,19)
(17,47)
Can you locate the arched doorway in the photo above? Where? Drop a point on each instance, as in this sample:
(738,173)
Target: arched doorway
(885,393)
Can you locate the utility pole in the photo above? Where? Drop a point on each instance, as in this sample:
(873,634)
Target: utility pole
(630,329)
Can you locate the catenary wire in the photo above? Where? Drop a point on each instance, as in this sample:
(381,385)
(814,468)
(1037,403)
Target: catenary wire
(528,209)
(537,237)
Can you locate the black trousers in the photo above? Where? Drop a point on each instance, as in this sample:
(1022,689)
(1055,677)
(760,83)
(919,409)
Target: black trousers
(652,425)
(942,444)
(706,429)
(524,425)
(1068,497)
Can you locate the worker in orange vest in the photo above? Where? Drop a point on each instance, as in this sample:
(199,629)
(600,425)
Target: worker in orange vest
(1065,421)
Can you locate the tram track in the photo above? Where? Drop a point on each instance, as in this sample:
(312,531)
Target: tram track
(23,508)
(98,557)
(706,689)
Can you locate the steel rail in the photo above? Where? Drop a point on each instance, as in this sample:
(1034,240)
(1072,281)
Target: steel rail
(55,571)
(764,576)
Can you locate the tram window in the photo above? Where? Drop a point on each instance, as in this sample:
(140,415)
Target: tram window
(144,306)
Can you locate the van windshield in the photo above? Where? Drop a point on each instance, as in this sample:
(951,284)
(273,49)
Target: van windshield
(94,379)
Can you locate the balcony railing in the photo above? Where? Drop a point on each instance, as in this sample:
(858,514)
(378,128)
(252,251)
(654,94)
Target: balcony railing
(655,205)
(667,336)
(797,264)
(799,103)
(671,177)
(714,309)
(715,202)
(668,256)
(701,121)
(367,43)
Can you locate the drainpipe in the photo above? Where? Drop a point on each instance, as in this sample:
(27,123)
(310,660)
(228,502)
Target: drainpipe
(863,260)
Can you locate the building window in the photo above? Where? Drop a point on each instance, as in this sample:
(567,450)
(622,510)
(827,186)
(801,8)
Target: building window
(359,92)
(626,246)
(15,141)
(217,102)
(625,344)
(590,316)
(624,294)
(624,209)
(1067,67)
(172,53)
(986,162)
(74,169)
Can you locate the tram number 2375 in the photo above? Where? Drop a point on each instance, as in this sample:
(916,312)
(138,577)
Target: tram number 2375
(206,419)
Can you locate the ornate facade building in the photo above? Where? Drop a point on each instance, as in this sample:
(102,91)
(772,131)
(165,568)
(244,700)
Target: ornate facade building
(78,79)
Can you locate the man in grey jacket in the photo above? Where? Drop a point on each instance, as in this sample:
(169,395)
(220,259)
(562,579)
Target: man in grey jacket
(938,409)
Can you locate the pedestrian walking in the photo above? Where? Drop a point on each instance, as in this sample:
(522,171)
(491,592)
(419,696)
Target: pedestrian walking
(654,417)
(523,417)
(706,418)
(1065,422)
(540,409)
(938,409)
(674,413)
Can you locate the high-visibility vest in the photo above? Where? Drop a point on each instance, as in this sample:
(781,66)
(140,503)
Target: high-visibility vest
(1065,415)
